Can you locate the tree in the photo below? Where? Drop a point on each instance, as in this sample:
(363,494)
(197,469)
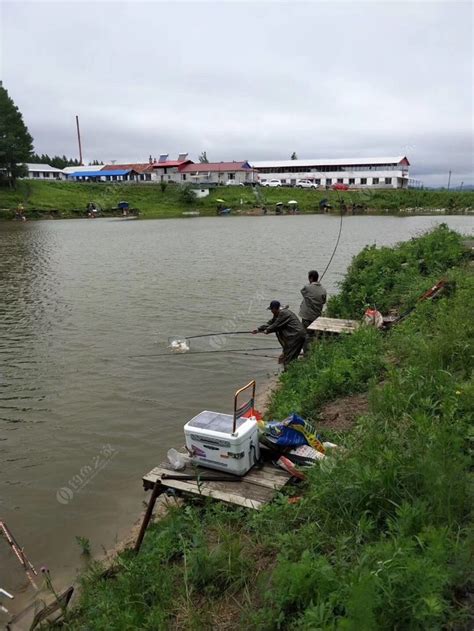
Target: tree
(16,143)
(294,156)
(203,158)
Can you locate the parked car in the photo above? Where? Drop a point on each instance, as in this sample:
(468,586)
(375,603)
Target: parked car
(271,183)
(233,183)
(340,187)
(305,184)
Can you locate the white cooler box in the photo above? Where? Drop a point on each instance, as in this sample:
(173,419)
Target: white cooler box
(224,441)
(212,444)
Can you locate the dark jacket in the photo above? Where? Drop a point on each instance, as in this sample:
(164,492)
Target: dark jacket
(287,327)
(314,298)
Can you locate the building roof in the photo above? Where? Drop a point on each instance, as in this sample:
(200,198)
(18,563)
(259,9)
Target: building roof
(100,173)
(139,167)
(268,164)
(77,169)
(205,167)
(170,163)
(42,167)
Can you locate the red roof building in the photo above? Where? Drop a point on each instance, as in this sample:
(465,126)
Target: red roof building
(139,167)
(163,170)
(237,172)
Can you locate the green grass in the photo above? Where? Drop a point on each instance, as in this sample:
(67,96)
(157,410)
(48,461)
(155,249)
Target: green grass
(387,277)
(71,198)
(382,536)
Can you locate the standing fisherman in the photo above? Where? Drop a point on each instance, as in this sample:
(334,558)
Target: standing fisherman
(314,298)
(289,331)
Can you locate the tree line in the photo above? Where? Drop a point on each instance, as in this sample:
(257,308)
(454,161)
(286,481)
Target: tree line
(59,162)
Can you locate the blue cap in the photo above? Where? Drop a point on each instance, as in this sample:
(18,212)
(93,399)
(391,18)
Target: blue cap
(275,304)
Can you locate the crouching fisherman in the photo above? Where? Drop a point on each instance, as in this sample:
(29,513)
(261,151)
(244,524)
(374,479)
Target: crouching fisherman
(288,329)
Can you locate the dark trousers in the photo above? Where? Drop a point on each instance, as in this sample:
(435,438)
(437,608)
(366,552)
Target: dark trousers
(310,335)
(292,350)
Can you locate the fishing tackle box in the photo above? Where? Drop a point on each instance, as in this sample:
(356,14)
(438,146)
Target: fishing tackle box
(226,442)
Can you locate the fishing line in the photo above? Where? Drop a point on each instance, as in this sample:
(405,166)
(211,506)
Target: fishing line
(341,201)
(335,248)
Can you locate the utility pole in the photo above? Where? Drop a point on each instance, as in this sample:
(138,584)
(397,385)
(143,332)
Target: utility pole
(449,180)
(79,140)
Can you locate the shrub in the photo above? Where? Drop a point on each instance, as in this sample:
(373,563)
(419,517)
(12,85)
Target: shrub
(395,277)
(186,194)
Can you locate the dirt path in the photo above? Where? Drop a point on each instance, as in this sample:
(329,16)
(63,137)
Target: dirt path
(341,414)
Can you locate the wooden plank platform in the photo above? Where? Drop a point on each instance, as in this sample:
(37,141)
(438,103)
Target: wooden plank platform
(334,325)
(254,490)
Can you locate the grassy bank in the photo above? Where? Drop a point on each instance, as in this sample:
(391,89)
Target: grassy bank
(380,537)
(69,199)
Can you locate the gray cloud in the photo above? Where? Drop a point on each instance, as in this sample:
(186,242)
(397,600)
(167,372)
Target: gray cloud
(246,80)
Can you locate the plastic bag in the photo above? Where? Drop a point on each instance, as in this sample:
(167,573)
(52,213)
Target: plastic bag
(176,460)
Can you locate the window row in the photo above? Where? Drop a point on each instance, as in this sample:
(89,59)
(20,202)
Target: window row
(46,174)
(351,181)
(331,169)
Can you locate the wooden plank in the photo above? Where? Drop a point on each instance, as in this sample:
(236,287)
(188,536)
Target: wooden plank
(230,498)
(255,489)
(268,476)
(334,325)
(208,490)
(240,487)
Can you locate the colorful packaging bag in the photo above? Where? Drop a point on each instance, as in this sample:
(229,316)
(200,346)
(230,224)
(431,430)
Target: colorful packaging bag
(291,432)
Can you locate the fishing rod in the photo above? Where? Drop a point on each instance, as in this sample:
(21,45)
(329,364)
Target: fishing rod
(8,595)
(193,337)
(230,350)
(180,344)
(19,553)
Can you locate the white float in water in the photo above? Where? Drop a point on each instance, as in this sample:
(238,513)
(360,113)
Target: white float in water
(179,345)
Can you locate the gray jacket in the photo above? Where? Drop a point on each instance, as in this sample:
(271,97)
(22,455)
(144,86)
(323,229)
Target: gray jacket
(287,327)
(314,297)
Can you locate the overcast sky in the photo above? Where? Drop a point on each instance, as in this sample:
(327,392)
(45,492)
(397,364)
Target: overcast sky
(246,80)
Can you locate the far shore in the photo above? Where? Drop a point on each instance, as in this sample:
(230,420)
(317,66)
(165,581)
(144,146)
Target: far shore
(7,215)
(65,200)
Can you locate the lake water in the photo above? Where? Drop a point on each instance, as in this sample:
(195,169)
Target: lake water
(83,415)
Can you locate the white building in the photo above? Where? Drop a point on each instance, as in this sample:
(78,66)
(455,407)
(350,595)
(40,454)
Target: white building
(44,172)
(391,172)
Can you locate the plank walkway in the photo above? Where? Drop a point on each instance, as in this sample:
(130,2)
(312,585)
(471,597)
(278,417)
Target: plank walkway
(334,325)
(254,490)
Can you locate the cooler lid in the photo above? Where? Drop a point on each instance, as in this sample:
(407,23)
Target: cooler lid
(216,421)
